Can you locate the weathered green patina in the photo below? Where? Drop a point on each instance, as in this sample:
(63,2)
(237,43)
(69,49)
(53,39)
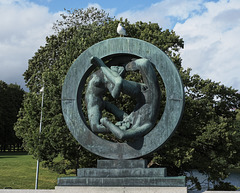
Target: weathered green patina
(122,173)
(147,95)
(74,85)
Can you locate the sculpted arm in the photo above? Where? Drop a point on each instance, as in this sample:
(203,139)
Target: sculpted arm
(126,134)
(120,114)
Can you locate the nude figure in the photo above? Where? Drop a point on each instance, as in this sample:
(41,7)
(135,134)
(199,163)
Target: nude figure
(147,95)
(143,118)
(101,81)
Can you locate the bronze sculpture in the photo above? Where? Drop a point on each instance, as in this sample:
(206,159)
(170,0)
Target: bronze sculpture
(139,130)
(147,95)
(137,144)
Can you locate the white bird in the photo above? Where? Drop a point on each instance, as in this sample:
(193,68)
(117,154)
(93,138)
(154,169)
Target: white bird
(121,30)
(42,89)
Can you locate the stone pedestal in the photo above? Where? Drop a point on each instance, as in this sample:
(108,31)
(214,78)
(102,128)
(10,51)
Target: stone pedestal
(123,173)
(89,189)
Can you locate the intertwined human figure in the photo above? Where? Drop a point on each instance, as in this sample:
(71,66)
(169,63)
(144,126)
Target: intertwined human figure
(147,94)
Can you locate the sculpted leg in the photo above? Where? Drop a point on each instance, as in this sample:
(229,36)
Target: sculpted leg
(117,132)
(94,116)
(134,132)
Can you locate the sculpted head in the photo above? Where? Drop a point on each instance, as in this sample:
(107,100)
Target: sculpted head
(119,69)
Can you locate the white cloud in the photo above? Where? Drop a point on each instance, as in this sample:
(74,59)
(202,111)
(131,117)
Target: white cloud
(165,12)
(212,42)
(24,26)
(210,31)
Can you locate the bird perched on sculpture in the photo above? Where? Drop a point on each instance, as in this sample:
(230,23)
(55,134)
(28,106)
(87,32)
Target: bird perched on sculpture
(121,30)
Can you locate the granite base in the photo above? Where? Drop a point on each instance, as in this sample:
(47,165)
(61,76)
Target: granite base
(75,189)
(123,173)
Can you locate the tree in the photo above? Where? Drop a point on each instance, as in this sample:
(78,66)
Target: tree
(50,64)
(11,97)
(207,124)
(207,138)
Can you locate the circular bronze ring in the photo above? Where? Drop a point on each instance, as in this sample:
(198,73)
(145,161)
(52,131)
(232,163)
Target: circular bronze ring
(72,94)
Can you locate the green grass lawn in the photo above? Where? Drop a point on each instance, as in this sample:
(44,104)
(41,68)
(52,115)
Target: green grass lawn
(18,171)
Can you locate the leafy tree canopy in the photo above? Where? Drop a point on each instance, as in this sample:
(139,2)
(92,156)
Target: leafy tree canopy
(206,139)
(11,97)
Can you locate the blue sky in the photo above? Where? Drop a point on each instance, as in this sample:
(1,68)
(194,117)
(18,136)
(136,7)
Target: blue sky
(210,30)
(120,6)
